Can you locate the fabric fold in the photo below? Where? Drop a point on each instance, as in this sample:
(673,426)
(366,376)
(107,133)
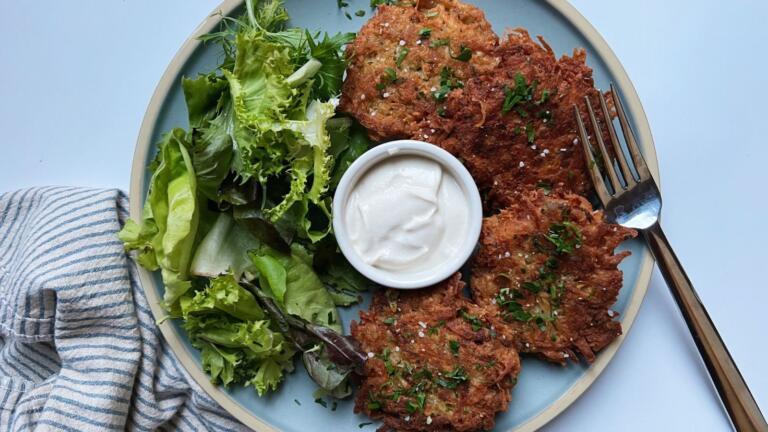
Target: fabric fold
(79,349)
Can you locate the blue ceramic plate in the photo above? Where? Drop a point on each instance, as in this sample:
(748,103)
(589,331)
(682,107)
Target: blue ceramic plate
(543,390)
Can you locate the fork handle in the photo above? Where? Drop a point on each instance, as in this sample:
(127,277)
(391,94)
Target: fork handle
(734,393)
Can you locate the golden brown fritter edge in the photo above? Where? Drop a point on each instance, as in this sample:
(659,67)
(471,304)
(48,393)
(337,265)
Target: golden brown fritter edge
(392,100)
(434,364)
(547,275)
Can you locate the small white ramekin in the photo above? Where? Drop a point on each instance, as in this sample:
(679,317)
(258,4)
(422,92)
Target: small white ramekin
(400,148)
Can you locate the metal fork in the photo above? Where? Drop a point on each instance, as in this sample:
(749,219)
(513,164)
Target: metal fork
(636,203)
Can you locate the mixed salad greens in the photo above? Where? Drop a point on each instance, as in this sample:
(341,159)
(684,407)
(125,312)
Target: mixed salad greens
(238,219)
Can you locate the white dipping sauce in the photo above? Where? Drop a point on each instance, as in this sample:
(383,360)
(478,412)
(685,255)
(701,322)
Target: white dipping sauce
(407,214)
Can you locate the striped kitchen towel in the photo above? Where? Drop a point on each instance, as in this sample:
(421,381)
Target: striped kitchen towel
(79,349)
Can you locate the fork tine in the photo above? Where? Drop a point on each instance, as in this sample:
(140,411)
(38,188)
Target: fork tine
(629,179)
(629,137)
(618,188)
(594,172)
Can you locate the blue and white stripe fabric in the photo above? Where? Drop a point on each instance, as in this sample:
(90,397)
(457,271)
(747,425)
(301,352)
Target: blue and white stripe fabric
(79,349)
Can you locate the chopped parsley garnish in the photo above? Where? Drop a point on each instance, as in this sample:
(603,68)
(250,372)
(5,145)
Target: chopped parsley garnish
(521,99)
(349,17)
(434,330)
(391,74)
(334,406)
(555,292)
(421,398)
(362,425)
(544,96)
(387,362)
(441,111)
(465,54)
(321,401)
(565,236)
(390,320)
(401,56)
(411,407)
(360,13)
(454,347)
(417,404)
(452,379)
(519,94)
(545,115)
(440,43)
(532,286)
(341,4)
(374,405)
(389,77)
(296,401)
(530,133)
(395,396)
(476,323)
(487,365)
(541,321)
(423,374)
(375,3)
(506,299)
(425,33)
(448,82)
(545,186)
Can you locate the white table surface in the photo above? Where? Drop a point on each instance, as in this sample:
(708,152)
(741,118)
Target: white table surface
(76,77)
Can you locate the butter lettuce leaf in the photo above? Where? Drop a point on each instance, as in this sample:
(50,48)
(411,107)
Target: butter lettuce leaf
(305,295)
(224,249)
(273,275)
(166,235)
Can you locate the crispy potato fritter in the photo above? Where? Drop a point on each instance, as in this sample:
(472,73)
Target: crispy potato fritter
(507,111)
(515,127)
(435,364)
(547,271)
(405,60)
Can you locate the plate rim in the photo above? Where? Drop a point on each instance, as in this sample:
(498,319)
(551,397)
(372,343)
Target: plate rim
(137,185)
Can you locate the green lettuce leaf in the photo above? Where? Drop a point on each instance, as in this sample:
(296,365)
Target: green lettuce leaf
(348,147)
(255,353)
(332,379)
(238,343)
(314,132)
(342,281)
(202,96)
(170,221)
(224,249)
(210,118)
(258,81)
(218,362)
(226,295)
(139,237)
(272,275)
(305,295)
(328,52)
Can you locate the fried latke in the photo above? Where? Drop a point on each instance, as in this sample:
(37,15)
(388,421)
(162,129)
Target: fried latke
(515,127)
(435,364)
(547,273)
(407,59)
